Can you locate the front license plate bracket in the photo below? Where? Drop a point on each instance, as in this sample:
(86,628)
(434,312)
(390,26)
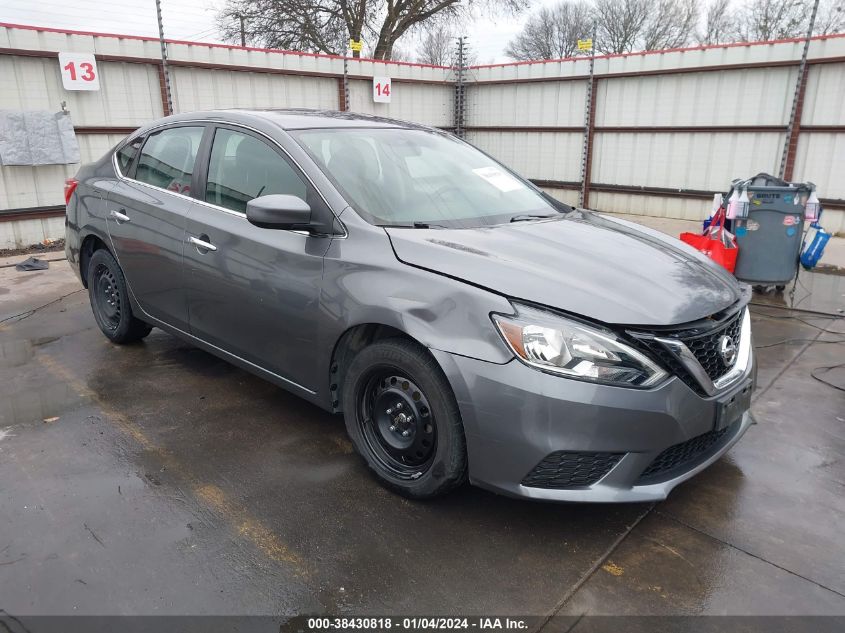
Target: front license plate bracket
(731,407)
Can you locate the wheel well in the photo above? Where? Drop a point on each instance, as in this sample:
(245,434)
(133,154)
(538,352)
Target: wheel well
(90,244)
(349,344)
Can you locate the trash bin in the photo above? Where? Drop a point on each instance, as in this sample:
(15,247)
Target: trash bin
(769,237)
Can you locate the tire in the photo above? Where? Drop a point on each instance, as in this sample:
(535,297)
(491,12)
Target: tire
(431,460)
(110,300)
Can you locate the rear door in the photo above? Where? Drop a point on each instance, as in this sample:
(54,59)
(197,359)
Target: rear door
(253,291)
(146,215)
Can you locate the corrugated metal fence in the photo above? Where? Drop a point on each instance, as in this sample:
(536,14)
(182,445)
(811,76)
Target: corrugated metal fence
(669,128)
(202,77)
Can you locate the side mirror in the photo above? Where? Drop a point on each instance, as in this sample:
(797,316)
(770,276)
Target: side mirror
(278,211)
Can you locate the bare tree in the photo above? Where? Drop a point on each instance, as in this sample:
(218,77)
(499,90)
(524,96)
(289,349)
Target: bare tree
(718,24)
(620,24)
(437,45)
(670,24)
(761,20)
(294,24)
(401,54)
(553,32)
(831,17)
(325,25)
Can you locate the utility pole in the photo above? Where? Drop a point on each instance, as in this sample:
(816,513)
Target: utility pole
(165,73)
(243,28)
(799,94)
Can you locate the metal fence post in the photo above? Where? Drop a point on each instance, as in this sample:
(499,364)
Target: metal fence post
(589,117)
(165,73)
(790,144)
(345,83)
(460,86)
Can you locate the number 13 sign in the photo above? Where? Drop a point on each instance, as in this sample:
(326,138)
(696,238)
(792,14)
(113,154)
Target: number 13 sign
(79,71)
(381,89)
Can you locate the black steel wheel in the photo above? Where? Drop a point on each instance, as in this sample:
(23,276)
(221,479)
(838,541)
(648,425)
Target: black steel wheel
(396,421)
(106,295)
(403,418)
(110,300)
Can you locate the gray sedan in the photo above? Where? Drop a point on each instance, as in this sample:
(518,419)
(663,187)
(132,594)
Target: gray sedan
(467,324)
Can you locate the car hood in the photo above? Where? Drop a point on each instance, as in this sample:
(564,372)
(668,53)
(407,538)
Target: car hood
(598,267)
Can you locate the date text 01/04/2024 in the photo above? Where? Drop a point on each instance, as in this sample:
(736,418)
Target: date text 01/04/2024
(417,623)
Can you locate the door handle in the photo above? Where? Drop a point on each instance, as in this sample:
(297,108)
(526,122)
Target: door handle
(201,244)
(119,216)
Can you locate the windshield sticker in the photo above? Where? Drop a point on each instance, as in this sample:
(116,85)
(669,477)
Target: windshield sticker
(499,179)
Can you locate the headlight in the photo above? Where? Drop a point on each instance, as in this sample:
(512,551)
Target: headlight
(552,343)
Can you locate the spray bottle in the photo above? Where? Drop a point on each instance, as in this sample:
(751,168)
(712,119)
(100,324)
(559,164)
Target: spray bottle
(733,204)
(744,205)
(813,208)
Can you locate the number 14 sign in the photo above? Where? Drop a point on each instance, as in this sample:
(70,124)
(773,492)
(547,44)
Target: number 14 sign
(79,71)
(381,89)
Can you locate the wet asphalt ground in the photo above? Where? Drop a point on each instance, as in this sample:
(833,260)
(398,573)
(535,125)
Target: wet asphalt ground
(157,479)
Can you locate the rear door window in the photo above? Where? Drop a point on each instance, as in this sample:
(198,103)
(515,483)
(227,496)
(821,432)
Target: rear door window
(126,153)
(168,157)
(243,167)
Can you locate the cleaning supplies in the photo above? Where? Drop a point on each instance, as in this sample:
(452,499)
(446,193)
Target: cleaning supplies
(733,204)
(813,208)
(815,242)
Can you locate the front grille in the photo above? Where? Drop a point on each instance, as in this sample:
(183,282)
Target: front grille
(705,348)
(685,455)
(668,360)
(571,469)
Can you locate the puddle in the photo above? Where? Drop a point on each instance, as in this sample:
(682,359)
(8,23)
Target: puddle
(820,292)
(35,405)
(17,353)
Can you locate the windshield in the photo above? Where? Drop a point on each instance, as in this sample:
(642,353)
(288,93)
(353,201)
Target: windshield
(400,177)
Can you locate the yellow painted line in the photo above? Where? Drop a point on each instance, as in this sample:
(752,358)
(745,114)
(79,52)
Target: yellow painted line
(613,568)
(248,527)
(251,529)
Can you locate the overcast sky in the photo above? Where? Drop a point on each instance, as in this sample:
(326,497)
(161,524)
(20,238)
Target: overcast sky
(194,20)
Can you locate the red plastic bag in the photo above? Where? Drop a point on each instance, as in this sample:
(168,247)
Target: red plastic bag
(717,243)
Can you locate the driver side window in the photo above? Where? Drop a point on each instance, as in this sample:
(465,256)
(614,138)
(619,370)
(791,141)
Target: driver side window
(243,167)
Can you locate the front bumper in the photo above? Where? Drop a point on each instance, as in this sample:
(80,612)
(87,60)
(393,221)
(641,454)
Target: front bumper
(515,416)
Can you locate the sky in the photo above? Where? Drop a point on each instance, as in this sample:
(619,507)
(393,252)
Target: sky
(195,20)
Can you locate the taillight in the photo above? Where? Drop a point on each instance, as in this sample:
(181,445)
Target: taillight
(70,187)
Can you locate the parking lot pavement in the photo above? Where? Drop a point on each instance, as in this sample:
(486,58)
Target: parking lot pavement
(157,479)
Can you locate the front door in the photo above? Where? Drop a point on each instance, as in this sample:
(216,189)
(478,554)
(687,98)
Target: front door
(253,292)
(146,214)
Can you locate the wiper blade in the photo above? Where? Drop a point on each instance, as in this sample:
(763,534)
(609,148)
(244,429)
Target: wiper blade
(413,225)
(526,217)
